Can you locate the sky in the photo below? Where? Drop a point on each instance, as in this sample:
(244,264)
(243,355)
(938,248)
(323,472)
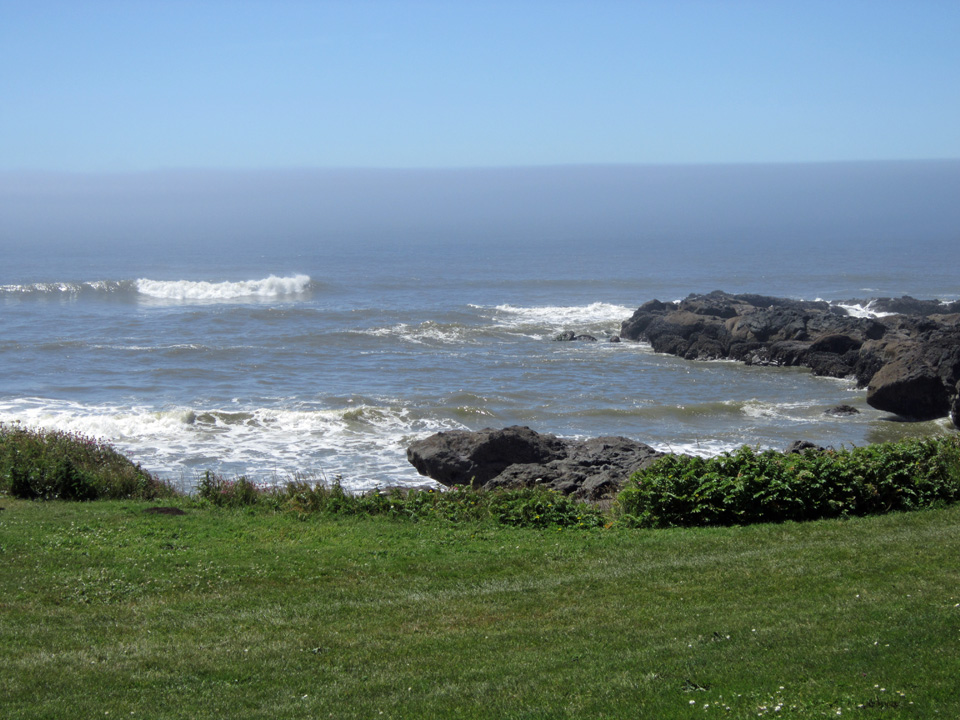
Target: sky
(140,85)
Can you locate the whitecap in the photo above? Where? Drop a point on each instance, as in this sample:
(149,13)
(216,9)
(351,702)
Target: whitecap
(365,444)
(594,315)
(193,290)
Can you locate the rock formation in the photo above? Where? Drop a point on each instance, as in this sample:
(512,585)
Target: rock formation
(910,364)
(520,457)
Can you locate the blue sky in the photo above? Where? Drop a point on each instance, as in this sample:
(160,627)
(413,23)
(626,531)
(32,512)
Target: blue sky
(137,85)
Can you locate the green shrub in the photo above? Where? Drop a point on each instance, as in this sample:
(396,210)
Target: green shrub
(228,493)
(48,465)
(747,486)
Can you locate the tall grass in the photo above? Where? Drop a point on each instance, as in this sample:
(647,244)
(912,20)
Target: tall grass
(55,465)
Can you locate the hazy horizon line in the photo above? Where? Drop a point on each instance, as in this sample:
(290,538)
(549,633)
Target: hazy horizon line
(222,169)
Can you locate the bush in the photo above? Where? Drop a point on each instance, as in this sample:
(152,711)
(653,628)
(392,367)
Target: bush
(227,493)
(48,465)
(747,486)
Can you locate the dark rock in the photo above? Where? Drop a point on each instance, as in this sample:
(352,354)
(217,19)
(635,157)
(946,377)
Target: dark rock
(615,339)
(955,407)
(516,456)
(835,343)
(842,411)
(828,365)
(907,305)
(461,457)
(909,363)
(910,389)
(801,446)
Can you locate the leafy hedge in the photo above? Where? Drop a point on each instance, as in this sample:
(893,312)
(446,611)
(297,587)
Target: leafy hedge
(52,465)
(749,487)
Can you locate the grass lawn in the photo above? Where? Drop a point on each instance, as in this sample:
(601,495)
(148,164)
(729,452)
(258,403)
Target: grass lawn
(109,611)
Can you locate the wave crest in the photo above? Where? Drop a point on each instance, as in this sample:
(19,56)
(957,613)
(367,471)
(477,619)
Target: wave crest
(187,290)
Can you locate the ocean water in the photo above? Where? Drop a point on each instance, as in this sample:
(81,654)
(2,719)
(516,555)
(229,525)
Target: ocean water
(279,348)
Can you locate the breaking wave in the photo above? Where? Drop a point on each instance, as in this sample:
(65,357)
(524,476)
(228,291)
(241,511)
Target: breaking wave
(863,310)
(365,444)
(188,290)
(269,288)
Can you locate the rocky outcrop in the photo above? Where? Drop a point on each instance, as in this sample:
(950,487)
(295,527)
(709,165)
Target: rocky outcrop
(517,456)
(910,364)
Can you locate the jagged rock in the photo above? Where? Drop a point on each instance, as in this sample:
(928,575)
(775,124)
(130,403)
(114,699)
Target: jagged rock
(520,457)
(910,364)
(461,457)
(907,305)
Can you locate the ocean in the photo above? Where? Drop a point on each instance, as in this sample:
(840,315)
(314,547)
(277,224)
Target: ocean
(313,323)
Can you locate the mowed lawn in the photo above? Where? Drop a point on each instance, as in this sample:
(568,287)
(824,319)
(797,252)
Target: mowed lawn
(108,611)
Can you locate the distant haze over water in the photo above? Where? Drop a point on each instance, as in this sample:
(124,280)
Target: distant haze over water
(318,320)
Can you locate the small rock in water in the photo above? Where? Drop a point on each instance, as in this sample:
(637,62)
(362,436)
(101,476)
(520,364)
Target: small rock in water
(842,411)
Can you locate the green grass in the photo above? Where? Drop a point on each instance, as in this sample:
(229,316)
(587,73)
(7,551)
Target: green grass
(107,611)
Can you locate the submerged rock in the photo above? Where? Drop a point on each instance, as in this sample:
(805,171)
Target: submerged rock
(842,411)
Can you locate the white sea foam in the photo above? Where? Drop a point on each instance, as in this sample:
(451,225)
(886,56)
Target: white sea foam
(700,448)
(797,412)
(364,444)
(190,290)
(863,311)
(598,314)
(426,332)
(63,288)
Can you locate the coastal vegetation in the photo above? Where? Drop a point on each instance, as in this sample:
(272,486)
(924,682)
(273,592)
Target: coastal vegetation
(748,486)
(49,465)
(739,488)
(303,600)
